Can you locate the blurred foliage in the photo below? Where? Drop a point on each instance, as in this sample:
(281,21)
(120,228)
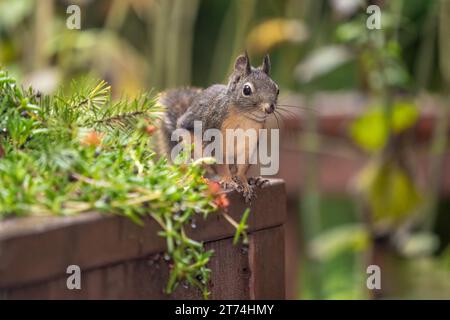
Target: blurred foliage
(321,62)
(344,238)
(389,198)
(339,247)
(274,32)
(390,192)
(137,44)
(419,244)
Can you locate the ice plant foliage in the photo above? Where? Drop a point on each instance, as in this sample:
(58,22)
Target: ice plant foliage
(77,152)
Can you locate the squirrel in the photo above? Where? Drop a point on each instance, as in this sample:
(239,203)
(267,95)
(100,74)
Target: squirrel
(245,102)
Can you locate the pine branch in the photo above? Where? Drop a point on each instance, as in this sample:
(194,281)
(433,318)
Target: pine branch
(121,119)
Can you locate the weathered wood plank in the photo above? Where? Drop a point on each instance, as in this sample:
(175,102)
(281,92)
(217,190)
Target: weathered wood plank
(235,274)
(267,260)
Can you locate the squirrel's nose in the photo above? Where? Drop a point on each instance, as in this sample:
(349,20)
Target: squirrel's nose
(270,108)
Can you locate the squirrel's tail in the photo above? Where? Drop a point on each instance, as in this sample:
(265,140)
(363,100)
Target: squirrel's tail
(175,102)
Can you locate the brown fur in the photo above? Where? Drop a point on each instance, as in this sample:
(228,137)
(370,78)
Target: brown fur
(175,102)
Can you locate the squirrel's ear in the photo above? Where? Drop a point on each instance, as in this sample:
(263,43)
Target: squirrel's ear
(266,64)
(242,64)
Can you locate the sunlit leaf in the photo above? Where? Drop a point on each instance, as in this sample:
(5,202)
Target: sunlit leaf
(322,61)
(419,244)
(390,192)
(273,32)
(370,131)
(12,12)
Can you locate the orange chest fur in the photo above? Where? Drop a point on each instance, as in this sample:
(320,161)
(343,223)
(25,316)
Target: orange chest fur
(241,146)
(237,120)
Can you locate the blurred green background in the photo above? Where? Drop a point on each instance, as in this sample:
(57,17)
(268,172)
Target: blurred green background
(389,216)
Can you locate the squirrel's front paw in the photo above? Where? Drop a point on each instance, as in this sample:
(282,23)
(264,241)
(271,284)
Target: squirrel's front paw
(230,184)
(258,182)
(233,183)
(247,190)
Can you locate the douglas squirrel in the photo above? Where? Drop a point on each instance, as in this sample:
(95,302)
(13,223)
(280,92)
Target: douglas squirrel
(244,103)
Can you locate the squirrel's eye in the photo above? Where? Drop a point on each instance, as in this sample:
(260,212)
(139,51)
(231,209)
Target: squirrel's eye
(247,90)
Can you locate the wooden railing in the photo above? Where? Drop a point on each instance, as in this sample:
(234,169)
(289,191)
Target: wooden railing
(120,260)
